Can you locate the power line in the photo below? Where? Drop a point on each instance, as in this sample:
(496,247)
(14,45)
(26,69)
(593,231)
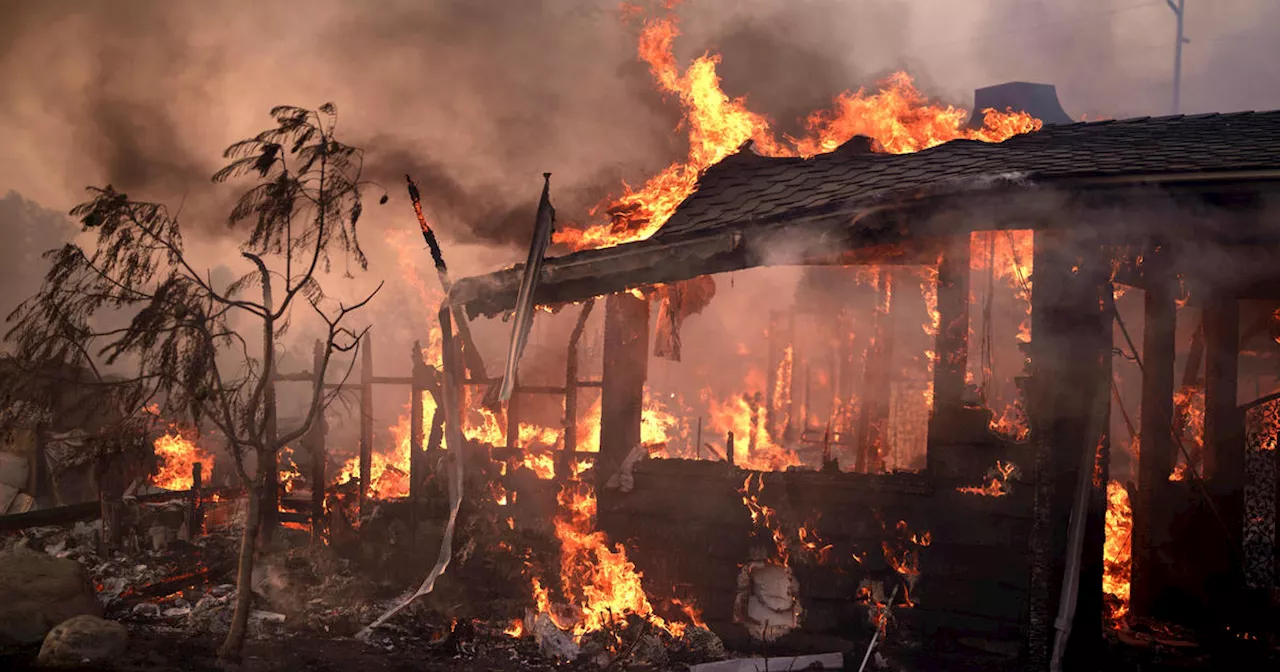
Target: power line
(1179,10)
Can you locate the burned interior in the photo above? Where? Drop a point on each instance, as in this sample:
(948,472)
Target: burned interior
(921,389)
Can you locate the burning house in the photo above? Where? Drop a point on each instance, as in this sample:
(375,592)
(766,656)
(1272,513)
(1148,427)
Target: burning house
(916,390)
(862,476)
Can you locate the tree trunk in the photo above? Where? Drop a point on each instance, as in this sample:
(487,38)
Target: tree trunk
(234,644)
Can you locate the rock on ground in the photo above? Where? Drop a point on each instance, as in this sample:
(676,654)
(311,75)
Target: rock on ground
(83,640)
(40,591)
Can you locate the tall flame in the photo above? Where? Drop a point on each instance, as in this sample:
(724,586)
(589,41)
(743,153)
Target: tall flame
(1117,560)
(898,117)
(177,453)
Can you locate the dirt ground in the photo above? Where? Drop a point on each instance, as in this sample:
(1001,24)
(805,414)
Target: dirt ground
(163,650)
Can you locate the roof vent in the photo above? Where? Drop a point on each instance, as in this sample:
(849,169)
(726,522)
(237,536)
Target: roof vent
(1038,100)
(858,144)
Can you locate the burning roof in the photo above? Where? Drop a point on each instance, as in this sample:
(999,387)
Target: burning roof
(747,196)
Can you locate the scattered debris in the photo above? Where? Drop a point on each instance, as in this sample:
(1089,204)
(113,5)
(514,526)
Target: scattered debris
(826,661)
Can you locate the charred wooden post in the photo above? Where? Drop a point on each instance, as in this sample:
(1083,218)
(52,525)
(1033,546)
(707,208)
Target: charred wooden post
(314,443)
(1191,381)
(1072,339)
(366,419)
(626,364)
(513,416)
(774,358)
(953,332)
(436,438)
(416,430)
(571,390)
(728,449)
(875,407)
(951,343)
(195,512)
(1158,453)
(1224,458)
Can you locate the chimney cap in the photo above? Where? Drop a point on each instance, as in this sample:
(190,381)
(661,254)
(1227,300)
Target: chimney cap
(1038,100)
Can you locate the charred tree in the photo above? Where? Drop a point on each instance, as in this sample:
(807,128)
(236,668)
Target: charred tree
(178,335)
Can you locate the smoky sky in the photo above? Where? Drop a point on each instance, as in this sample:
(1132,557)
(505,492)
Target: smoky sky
(477,98)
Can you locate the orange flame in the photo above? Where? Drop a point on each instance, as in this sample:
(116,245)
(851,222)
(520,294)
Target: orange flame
(177,454)
(1117,560)
(602,583)
(898,117)
(996,482)
(289,475)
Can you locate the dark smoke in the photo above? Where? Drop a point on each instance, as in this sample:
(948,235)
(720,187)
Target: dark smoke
(785,60)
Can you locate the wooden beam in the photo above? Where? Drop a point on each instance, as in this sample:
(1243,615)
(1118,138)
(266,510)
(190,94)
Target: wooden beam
(73,513)
(1157,455)
(626,366)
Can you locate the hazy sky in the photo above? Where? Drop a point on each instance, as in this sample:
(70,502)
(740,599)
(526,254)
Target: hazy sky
(477,98)
(481,96)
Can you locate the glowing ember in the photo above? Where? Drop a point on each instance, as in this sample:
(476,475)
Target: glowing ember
(764,517)
(177,454)
(996,481)
(289,475)
(1117,561)
(898,117)
(902,553)
(1189,409)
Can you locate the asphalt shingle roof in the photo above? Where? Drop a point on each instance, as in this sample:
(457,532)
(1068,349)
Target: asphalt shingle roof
(747,190)
(746,187)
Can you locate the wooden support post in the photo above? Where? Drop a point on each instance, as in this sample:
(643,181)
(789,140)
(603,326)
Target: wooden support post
(872,434)
(626,364)
(436,439)
(570,444)
(417,431)
(195,514)
(951,343)
(366,419)
(774,360)
(1224,458)
(1224,462)
(728,449)
(1072,342)
(953,326)
(1158,449)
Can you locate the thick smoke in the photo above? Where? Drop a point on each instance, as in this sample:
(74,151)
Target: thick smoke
(477,98)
